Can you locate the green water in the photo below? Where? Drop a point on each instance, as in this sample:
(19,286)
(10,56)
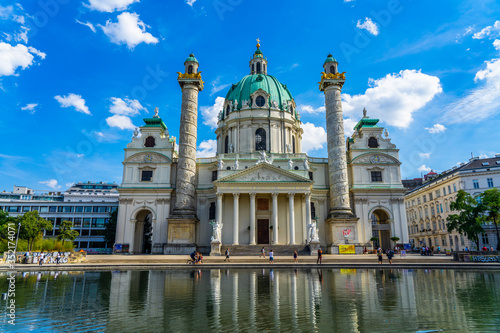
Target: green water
(241,300)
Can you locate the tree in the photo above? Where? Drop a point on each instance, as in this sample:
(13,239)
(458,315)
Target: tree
(32,226)
(66,232)
(490,208)
(468,221)
(110,229)
(5,219)
(374,239)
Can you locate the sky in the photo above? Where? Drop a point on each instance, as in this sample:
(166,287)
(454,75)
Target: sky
(76,77)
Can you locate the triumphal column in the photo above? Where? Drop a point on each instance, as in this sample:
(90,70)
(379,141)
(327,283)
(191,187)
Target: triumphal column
(183,221)
(341,220)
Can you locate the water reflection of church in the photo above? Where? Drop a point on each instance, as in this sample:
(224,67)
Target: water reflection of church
(260,187)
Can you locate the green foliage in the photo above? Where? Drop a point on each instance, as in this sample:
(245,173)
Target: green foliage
(47,245)
(5,219)
(374,239)
(110,229)
(32,226)
(490,209)
(66,232)
(468,221)
(394,239)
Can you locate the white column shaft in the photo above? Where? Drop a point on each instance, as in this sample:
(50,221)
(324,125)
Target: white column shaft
(275,218)
(252,219)
(236,223)
(308,212)
(291,207)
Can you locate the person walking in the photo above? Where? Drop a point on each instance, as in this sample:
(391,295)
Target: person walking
(320,256)
(262,253)
(271,257)
(58,258)
(379,255)
(227,255)
(40,259)
(295,257)
(390,254)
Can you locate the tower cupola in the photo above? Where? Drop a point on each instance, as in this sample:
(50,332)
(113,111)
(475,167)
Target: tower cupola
(191,65)
(330,65)
(258,64)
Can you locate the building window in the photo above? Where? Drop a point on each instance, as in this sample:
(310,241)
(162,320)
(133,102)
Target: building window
(79,209)
(214,175)
(313,211)
(258,67)
(444,191)
(475,182)
(462,241)
(485,238)
(441,207)
(146,175)
(311,177)
(430,196)
(449,189)
(434,225)
(211,211)
(190,69)
(332,69)
(376,176)
(293,144)
(490,182)
(443,241)
(451,241)
(226,145)
(454,187)
(373,142)
(227,110)
(260,139)
(432,211)
(150,142)
(438,193)
(425,198)
(260,101)
(253,68)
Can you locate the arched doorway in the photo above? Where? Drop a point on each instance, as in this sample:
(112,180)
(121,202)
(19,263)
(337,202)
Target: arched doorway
(143,232)
(381,228)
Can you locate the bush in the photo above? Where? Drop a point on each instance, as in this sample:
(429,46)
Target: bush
(46,245)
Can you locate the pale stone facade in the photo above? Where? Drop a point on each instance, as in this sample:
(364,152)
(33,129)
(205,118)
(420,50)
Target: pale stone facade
(259,189)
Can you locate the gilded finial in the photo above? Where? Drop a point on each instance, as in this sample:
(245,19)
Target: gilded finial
(258,43)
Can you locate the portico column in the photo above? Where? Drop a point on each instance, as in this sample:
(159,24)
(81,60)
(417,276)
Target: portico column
(291,217)
(236,228)
(218,211)
(308,212)
(274,218)
(252,218)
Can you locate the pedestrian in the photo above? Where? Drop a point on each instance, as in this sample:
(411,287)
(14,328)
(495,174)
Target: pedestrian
(466,249)
(227,255)
(320,256)
(484,248)
(295,257)
(40,259)
(262,252)
(379,255)
(58,258)
(491,248)
(390,254)
(439,249)
(271,257)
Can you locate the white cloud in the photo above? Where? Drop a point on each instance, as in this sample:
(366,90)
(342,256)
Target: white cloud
(489,31)
(313,138)
(496,44)
(13,57)
(88,24)
(424,155)
(109,5)
(369,26)
(68,185)
(73,100)
(309,109)
(52,183)
(437,128)
(424,169)
(190,2)
(128,30)
(122,122)
(30,107)
(210,114)
(395,97)
(126,107)
(483,156)
(207,148)
(349,126)
(216,86)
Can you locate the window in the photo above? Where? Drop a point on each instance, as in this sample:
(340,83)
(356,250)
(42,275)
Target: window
(258,67)
(373,142)
(443,241)
(438,193)
(376,176)
(434,225)
(260,139)
(33,208)
(52,209)
(311,175)
(190,69)
(430,196)
(44,209)
(146,175)
(60,209)
(490,182)
(451,241)
(211,211)
(313,210)
(68,209)
(99,222)
(454,187)
(88,209)
(79,209)
(226,145)
(426,212)
(227,110)
(253,68)
(150,142)
(293,144)
(425,198)
(332,69)
(26,209)
(85,232)
(214,175)
(86,222)
(418,201)
(77,222)
(475,182)
(441,207)
(485,238)
(433,213)
(446,207)
(462,242)
(260,101)
(444,191)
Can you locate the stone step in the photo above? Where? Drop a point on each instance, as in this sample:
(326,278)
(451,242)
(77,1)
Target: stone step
(279,250)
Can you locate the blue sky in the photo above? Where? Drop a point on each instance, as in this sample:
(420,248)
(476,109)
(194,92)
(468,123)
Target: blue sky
(77,76)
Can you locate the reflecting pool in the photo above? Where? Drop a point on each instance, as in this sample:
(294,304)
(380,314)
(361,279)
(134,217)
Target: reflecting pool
(248,300)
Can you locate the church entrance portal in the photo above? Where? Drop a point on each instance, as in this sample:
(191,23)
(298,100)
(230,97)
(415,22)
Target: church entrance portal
(381,229)
(143,232)
(262,231)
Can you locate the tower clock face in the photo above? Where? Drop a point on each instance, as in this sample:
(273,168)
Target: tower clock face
(375,159)
(148,158)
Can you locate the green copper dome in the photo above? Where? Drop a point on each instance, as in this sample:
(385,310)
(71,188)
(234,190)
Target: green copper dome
(330,58)
(191,58)
(249,84)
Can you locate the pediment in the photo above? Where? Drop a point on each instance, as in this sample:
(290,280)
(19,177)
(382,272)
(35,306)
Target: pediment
(375,158)
(263,173)
(148,157)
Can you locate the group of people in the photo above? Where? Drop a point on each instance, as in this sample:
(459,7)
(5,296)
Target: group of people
(388,252)
(196,257)
(42,256)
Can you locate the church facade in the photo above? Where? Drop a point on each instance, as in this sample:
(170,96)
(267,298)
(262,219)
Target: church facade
(260,189)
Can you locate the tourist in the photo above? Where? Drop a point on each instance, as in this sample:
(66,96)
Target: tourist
(484,249)
(466,249)
(320,256)
(491,248)
(199,258)
(390,254)
(271,257)
(193,256)
(262,252)
(379,254)
(58,258)
(227,255)
(439,249)
(40,259)
(295,257)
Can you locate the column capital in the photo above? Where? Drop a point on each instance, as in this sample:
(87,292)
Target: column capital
(307,195)
(236,195)
(252,195)
(291,194)
(219,195)
(274,194)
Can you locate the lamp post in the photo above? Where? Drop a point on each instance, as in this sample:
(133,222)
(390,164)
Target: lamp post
(17,238)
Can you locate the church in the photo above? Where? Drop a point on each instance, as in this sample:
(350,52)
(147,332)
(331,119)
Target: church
(260,189)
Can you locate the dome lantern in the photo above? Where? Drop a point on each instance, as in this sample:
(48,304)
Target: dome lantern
(258,64)
(191,64)
(330,64)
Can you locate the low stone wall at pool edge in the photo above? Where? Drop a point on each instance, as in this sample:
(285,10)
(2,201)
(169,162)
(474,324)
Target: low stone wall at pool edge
(49,257)
(476,256)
